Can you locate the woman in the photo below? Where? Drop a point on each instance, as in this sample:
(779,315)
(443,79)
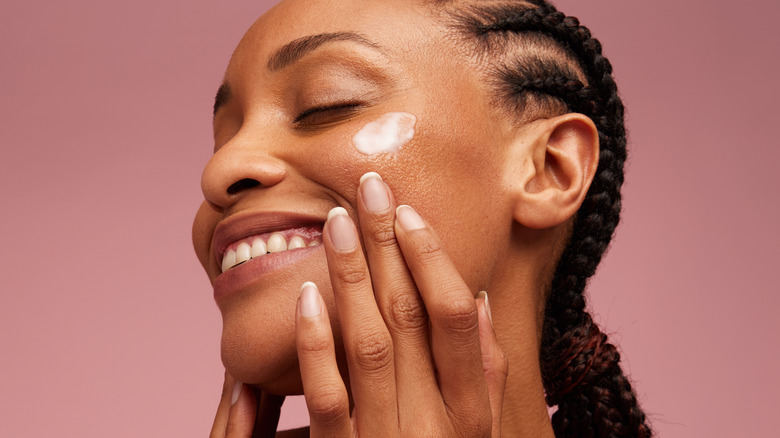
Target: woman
(498,134)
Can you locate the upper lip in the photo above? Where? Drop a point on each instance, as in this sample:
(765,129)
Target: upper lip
(241,225)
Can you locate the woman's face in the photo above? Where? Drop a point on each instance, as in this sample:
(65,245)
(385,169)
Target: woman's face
(284,156)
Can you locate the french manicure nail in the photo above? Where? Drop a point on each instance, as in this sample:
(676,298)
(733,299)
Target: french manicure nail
(487,306)
(236,392)
(335,211)
(342,232)
(408,218)
(374,192)
(310,300)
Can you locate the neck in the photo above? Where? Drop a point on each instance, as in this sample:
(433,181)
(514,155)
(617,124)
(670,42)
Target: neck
(518,314)
(524,412)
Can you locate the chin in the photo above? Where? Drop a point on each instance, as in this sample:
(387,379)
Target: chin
(258,304)
(267,361)
(258,327)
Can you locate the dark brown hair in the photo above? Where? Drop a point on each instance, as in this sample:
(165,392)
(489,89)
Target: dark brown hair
(543,62)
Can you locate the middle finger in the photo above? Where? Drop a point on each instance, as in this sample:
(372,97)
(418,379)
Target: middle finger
(396,293)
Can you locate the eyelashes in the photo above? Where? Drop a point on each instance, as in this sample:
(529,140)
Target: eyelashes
(326,113)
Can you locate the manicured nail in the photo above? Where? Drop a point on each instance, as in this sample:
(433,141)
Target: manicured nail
(374,192)
(310,300)
(408,218)
(342,231)
(236,392)
(335,211)
(487,306)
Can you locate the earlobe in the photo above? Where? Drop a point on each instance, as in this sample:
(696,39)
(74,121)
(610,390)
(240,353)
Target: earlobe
(560,166)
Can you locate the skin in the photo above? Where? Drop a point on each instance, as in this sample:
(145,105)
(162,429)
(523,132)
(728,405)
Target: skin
(500,197)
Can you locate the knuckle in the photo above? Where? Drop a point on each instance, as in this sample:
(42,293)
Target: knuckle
(428,250)
(406,311)
(352,275)
(314,345)
(382,236)
(459,315)
(327,407)
(373,352)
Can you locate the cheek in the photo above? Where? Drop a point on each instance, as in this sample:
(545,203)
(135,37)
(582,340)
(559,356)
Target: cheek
(386,135)
(454,179)
(339,158)
(202,229)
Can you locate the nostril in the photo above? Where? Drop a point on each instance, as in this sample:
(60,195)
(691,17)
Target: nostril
(246,183)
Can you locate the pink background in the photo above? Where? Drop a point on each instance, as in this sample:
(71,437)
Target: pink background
(107,325)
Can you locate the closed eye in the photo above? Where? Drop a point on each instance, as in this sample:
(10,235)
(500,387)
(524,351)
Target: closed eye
(326,113)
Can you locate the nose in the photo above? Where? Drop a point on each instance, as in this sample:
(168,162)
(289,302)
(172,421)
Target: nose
(237,167)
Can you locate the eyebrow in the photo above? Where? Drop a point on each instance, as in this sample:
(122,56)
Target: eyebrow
(297,49)
(293,51)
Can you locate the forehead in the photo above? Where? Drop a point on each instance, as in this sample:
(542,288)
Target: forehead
(397,26)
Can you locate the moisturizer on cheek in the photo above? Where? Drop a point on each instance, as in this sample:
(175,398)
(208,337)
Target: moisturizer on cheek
(385,135)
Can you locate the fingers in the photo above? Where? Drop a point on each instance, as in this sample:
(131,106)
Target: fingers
(223,410)
(367,342)
(241,418)
(236,412)
(396,294)
(384,327)
(326,396)
(239,413)
(494,362)
(454,321)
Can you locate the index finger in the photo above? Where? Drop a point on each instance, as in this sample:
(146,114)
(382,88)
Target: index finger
(396,294)
(367,342)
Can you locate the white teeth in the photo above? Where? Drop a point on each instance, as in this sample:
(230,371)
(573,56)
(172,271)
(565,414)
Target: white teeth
(243,252)
(258,248)
(229,260)
(296,242)
(277,243)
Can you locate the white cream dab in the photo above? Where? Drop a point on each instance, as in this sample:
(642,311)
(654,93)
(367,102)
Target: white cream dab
(386,134)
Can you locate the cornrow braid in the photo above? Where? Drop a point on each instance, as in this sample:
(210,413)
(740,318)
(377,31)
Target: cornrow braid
(580,369)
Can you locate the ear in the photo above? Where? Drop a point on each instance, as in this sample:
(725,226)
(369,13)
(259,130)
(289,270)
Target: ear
(560,157)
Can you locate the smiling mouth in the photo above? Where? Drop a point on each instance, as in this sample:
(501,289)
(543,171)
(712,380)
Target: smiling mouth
(259,245)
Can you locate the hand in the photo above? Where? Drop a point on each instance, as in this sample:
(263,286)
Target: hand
(422,354)
(240,416)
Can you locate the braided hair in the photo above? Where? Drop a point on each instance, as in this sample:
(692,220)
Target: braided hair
(543,63)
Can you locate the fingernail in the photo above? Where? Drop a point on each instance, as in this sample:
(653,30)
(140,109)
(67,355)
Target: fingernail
(342,232)
(236,392)
(374,192)
(487,306)
(408,218)
(310,300)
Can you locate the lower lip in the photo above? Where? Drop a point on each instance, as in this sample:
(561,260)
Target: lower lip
(237,278)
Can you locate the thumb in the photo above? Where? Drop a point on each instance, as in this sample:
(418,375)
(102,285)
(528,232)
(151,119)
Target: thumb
(223,410)
(494,361)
